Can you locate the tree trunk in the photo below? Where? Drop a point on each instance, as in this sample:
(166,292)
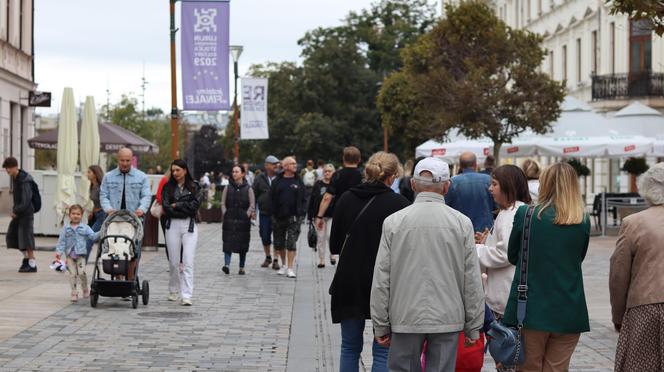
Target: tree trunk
(496,151)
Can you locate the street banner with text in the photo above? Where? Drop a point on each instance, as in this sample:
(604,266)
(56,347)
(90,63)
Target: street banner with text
(205,29)
(254,109)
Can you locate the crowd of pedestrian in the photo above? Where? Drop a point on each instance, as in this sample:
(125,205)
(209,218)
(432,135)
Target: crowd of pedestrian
(440,264)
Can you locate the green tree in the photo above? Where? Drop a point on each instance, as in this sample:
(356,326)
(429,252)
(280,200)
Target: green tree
(474,73)
(650,10)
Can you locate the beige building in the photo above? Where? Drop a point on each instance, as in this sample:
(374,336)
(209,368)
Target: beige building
(16,82)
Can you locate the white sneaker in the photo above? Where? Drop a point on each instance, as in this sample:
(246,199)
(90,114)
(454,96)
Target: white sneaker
(291,273)
(186,302)
(282,271)
(173,297)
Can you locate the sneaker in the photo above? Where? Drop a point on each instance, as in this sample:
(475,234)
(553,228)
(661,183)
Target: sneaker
(24,266)
(275,264)
(186,302)
(321,265)
(267,262)
(333,261)
(28,269)
(173,297)
(241,272)
(225,270)
(291,273)
(282,271)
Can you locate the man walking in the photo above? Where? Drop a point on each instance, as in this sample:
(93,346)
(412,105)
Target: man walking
(20,234)
(469,193)
(126,188)
(427,283)
(288,210)
(261,188)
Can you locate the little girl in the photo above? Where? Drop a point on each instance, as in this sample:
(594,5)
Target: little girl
(73,243)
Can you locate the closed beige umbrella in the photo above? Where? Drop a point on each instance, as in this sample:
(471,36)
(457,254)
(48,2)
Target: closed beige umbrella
(89,148)
(67,154)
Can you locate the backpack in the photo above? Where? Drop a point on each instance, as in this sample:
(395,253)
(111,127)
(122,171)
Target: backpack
(309,178)
(36,197)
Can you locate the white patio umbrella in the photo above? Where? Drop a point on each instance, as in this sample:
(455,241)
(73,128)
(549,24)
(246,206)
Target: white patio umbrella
(89,148)
(597,146)
(658,147)
(454,147)
(639,119)
(67,154)
(578,119)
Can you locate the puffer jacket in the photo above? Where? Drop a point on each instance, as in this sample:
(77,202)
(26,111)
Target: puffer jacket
(186,203)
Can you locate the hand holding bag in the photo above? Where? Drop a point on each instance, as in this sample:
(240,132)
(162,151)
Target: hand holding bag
(156,210)
(504,342)
(312,236)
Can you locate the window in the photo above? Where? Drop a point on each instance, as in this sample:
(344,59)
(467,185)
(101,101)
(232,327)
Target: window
(20,24)
(640,46)
(528,10)
(539,7)
(612,41)
(578,60)
(593,52)
(551,63)
(564,62)
(7,13)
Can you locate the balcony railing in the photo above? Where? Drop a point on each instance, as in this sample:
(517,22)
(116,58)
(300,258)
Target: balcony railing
(622,86)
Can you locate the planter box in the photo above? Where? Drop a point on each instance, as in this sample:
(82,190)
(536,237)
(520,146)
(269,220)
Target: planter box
(210,215)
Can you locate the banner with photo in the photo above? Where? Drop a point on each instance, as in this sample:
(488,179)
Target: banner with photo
(254,109)
(205,57)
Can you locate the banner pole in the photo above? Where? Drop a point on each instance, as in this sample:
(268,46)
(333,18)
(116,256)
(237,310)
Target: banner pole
(174,98)
(236,128)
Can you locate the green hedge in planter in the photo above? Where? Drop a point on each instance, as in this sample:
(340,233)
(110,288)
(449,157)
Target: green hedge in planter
(635,166)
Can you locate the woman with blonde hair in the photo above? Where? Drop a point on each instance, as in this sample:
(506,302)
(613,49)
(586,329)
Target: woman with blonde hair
(532,170)
(356,230)
(558,241)
(636,281)
(322,234)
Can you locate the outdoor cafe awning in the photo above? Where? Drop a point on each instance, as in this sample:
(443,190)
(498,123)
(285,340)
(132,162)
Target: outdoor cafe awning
(112,138)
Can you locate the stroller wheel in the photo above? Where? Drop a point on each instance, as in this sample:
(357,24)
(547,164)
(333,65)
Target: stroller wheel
(134,301)
(94,298)
(145,292)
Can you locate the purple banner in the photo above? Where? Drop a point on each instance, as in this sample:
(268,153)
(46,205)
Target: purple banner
(205,56)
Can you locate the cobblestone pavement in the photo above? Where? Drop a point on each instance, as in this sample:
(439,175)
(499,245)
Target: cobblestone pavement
(259,322)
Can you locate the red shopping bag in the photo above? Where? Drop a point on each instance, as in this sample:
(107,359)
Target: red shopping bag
(469,359)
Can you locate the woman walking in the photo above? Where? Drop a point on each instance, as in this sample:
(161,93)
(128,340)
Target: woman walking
(356,230)
(181,197)
(238,206)
(323,234)
(95,175)
(532,171)
(509,188)
(556,308)
(636,281)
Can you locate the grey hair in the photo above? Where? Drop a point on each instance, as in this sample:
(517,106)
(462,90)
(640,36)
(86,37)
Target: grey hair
(424,184)
(330,167)
(651,184)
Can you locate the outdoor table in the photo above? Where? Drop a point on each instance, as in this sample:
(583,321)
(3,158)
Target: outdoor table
(620,202)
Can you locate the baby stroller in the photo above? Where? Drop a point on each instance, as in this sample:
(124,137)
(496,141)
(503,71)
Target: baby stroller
(119,234)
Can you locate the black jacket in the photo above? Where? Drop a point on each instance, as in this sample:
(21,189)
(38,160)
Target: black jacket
(22,194)
(236,227)
(281,211)
(186,203)
(320,188)
(261,188)
(351,286)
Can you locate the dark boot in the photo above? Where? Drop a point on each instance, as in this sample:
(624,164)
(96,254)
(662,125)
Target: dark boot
(24,266)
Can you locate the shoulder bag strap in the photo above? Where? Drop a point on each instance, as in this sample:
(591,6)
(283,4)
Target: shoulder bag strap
(350,229)
(522,288)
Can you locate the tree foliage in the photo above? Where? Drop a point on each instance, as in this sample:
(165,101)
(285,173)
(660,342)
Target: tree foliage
(329,101)
(651,10)
(473,73)
(208,151)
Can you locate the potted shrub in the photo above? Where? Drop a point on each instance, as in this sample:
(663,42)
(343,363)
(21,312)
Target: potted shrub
(635,167)
(210,211)
(581,169)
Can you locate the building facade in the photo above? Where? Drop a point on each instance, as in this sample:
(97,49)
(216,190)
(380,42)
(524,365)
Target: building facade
(16,82)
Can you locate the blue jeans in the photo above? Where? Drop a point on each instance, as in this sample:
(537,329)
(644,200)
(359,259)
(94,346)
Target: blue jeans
(265,229)
(352,332)
(99,216)
(227,259)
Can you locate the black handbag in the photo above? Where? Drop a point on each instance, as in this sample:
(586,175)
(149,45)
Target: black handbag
(312,237)
(504,342)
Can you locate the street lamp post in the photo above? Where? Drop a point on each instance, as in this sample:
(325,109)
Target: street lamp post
(235,51)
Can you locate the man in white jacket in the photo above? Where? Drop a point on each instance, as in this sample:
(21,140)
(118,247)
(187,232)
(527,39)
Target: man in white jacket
(427,283)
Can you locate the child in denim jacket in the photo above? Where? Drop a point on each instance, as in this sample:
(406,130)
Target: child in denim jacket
(73,244)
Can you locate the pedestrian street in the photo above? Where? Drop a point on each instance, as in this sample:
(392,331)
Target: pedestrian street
(256,322)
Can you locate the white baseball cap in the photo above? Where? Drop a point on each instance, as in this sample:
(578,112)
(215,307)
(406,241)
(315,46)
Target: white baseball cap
(438,168)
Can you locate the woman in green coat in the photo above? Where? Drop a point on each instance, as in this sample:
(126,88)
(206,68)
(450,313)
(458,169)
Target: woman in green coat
(556,311)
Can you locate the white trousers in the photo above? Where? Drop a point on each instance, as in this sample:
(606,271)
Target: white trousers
(180,240)
(323,242)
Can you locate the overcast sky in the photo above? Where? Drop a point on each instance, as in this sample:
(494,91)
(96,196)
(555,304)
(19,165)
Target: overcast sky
(94,45)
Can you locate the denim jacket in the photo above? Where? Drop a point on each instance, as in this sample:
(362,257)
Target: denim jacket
(469,194)
(75,238)
(137,190)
